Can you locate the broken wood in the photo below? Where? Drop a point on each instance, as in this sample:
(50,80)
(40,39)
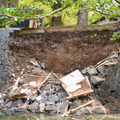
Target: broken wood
(17,82)
(43,82)
(53,82)
(101,63)
(86,88)
(81,94)
(75,109)
(15,85)
(62,84)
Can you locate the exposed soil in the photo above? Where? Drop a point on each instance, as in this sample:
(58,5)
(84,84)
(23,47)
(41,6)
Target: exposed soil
(61,52)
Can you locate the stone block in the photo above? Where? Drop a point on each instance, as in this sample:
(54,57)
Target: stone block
(117,103)
(78,113)
(50,108)
(105,86)
(110,107)
(111,71)
(33,107)
(92,71)
(7,100)
(103,93)
(59,107)
(84,110)
(65,106)
(99,110)
(62,95)
(42,107)
(47,87)
(77,102)
(9,104)
(96,80)
(20,110)
(49,102)
(101,69)
(58,88)
(54,98)
(84,71)
(116,94)
(19,102)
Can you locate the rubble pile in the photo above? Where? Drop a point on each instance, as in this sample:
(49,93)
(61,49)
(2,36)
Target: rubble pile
(43,92)
(105,77)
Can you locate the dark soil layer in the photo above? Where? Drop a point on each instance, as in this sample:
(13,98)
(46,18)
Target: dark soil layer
(61,52)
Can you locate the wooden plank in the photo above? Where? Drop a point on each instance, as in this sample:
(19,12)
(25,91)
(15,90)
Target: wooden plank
(86,88)
(43,82)
(75,109)
(40,80)
(62,84)
(77,95)
(67,28)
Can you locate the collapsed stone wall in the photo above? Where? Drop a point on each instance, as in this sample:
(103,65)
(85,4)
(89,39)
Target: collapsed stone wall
(105,77)
(109,91)
(4,63)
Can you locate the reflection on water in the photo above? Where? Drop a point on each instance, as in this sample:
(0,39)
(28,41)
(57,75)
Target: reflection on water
(21,116)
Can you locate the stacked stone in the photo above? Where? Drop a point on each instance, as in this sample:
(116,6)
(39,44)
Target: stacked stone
(4,63)
(105,78)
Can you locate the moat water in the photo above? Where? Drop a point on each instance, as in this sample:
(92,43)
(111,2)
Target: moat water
(24,116)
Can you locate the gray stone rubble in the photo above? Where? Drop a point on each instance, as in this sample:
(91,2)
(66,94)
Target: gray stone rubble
(107,82)
(104,78)
(50,99)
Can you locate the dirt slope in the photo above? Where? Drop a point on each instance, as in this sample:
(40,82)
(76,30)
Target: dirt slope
(61,52)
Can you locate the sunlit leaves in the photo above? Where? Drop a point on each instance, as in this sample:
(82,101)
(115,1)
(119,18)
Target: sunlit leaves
(115,35)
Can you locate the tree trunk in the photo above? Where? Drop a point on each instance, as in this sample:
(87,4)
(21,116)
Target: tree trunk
(82,16)
(56,21)
(13,3)
(8,3)
(3,3)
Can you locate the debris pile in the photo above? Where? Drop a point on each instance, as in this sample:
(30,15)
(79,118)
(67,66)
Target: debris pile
(41,92)
(105,77)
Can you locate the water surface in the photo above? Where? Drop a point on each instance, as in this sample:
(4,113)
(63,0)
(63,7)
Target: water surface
(22,116)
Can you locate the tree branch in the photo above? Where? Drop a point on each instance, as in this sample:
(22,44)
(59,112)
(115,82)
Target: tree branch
(117,1)
(105,13)
(35,18)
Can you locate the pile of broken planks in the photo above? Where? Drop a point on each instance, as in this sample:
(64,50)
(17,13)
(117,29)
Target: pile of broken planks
(47,93)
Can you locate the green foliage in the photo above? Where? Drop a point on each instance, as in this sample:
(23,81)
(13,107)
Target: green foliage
(92,36)
(104,27)
(115,36)
(96,9)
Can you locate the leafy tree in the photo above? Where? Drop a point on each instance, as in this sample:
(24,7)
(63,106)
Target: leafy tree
(68,11)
